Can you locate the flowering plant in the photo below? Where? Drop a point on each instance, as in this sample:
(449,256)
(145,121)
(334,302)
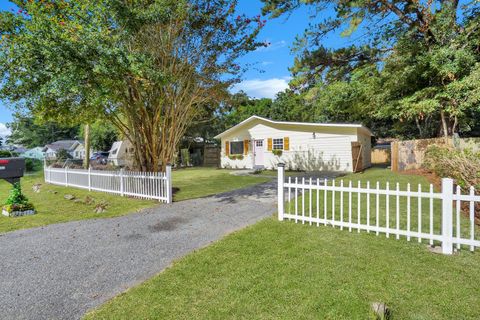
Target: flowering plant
(17,201)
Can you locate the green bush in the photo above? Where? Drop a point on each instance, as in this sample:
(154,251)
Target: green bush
(7,154)
(236,157)
(17,201)
(63,154)
(16,196)
(277,152)
(461,165)
(32,165)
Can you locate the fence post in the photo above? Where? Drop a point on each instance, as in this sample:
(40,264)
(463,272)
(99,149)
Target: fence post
(281,193)
(89,179)
(168,173)
(121,182)
(66,176)
(447,216)
(45,170)
(394,156)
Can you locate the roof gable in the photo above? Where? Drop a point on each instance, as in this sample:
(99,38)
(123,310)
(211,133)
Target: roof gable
(68,145)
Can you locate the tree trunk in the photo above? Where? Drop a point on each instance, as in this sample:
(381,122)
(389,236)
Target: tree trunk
(444,126)
(419,127)
(455,124)
(86,136)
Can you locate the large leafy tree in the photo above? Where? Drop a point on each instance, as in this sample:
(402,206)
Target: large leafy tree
(148,66)
(30,133)
(102,135)
(240,107)
(425,55)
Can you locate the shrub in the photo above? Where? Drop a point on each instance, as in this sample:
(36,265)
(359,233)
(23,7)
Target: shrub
(7,154)
(17,201)
(461,165)
(235,157)
(33,165)
(63,154)
(277,152)
(16,196)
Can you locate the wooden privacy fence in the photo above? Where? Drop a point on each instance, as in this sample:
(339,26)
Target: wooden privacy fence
(380,156)
(447,217)
(146,185)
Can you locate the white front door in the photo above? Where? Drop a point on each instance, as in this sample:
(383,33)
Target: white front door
(258,153)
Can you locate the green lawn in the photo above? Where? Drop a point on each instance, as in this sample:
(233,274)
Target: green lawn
(382,176)
(283,270)
(53,208)
(201,182)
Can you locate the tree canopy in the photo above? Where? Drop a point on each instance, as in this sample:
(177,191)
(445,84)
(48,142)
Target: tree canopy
(28,132)
(412,63)
(148,66)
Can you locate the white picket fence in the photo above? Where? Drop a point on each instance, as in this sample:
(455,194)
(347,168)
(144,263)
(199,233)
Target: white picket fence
(145,185)
(425,214)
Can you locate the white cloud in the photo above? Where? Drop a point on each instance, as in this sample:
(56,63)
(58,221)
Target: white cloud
(266,63)
(273,46)
(4,131)
(257,88)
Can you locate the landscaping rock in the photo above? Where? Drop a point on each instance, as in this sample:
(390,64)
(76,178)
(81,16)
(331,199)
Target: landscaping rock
(381,311)
(18,213)
(435,249)
(438,249)
(89,200)
(36,187)
(78,201)
(101,207)
(69,196)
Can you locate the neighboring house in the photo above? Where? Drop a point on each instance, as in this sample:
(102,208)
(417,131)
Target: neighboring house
(79,151)
(34,153)
(121,153)
(18,149)
(262,143)
(69,145)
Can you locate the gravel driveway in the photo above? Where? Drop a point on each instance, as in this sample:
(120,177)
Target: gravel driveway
(63,270)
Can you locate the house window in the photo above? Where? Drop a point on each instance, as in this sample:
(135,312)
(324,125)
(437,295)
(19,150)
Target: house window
(278,144)
(236,147)
(259,143)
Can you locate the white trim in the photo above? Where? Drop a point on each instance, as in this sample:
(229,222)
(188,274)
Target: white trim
(145,185)
(310,124)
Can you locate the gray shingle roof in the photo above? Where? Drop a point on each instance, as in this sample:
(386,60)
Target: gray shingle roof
(68,145)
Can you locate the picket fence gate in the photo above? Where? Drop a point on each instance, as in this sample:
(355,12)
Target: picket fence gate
(145,185)
(314,201)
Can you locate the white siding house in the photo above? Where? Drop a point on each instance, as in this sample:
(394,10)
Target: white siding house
(79,151)
(34,153)
(260,142)
(51,149)
(121,153)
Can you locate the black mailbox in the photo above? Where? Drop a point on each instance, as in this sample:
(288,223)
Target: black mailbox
(11,169)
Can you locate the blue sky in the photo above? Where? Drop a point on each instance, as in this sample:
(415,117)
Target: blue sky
(272,61)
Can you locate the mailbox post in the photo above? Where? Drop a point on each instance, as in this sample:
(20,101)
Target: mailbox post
(12,169)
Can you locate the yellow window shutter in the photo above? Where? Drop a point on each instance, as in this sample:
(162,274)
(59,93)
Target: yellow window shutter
(286,143)
(270,144)
(245,146)
(227,148)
